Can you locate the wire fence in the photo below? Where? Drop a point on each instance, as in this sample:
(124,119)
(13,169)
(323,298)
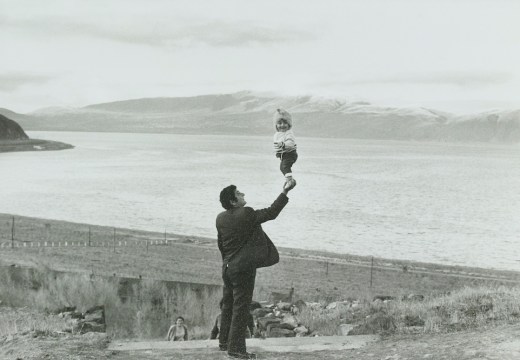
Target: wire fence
(24,232)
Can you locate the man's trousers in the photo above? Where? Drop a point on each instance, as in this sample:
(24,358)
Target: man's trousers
(237,297)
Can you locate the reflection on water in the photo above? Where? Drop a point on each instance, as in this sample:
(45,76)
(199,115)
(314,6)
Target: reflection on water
(455,204)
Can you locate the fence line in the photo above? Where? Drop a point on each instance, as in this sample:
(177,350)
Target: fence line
(48,243)
(24,232)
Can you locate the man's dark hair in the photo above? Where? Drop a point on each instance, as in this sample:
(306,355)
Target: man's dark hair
(227,195)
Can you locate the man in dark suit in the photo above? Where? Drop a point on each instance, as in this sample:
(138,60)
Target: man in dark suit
(239,233)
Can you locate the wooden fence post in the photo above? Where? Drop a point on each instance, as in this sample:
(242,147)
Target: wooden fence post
(114,241)
(371,271)
(12,234)
(89,236)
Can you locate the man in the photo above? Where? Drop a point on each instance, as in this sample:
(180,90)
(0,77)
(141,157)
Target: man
(239,228)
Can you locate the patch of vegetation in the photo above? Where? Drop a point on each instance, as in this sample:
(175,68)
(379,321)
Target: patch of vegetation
(146,312)
(466,308)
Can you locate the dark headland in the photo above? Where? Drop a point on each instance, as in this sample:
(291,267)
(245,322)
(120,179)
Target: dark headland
(14,138)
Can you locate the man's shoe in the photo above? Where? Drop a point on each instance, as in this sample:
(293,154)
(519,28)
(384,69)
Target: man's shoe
(245,355)
(222,347)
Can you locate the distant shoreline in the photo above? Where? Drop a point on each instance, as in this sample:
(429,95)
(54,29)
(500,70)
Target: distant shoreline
(32,145)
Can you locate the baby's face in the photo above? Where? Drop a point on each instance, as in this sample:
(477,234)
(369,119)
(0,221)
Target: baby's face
(282,125)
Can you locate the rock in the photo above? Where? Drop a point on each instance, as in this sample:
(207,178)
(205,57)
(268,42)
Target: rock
(261,312)
(270,327)
(299,306)
(290,320)
(301,331)
(344,329)
(332,305)
(283,306)
(265,321)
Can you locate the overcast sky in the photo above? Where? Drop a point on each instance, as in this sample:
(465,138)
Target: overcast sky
(456,55)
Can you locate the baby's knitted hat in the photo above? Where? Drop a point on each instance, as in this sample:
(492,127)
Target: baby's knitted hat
(282,114)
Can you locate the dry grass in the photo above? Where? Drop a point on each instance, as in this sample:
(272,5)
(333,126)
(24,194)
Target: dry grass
(466,308)
(23,320)
(146,314)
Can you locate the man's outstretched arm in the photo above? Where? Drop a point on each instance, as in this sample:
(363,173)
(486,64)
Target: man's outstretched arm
(276,207)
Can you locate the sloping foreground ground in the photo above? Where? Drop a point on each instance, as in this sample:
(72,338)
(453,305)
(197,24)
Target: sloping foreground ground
(500,343)
(497,343)
(280,345)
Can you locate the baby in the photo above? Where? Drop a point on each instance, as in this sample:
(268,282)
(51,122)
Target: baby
(285,143)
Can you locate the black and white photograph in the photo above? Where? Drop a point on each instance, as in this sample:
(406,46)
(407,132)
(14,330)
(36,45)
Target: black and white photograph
(286,180)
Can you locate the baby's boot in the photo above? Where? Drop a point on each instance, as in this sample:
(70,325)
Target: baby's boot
(288,180)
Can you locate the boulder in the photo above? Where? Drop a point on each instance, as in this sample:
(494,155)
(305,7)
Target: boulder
(290,320)
(265,321)
(332,305)
(298,306)
(261,312)
(301,331)
(272,326)
(283,306)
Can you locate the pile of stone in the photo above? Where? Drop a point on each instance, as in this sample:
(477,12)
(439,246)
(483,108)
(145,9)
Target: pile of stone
(92,320)
(283,320)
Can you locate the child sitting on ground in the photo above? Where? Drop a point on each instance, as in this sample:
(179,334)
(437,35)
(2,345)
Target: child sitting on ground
(285,144)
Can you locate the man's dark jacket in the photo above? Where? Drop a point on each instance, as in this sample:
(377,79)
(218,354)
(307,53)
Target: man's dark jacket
(241,237)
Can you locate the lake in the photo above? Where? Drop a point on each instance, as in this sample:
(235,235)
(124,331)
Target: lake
(455,204)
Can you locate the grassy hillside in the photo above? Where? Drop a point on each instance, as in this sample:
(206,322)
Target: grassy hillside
(315,275)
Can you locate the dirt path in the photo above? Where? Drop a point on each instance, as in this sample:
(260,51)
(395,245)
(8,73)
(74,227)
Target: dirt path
(498,343)
(501,343)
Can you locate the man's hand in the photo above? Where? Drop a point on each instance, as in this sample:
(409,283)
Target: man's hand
(288,187)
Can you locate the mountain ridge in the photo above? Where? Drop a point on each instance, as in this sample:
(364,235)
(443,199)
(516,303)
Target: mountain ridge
(248,113)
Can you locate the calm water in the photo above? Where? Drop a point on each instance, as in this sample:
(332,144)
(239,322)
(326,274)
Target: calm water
(452,204)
